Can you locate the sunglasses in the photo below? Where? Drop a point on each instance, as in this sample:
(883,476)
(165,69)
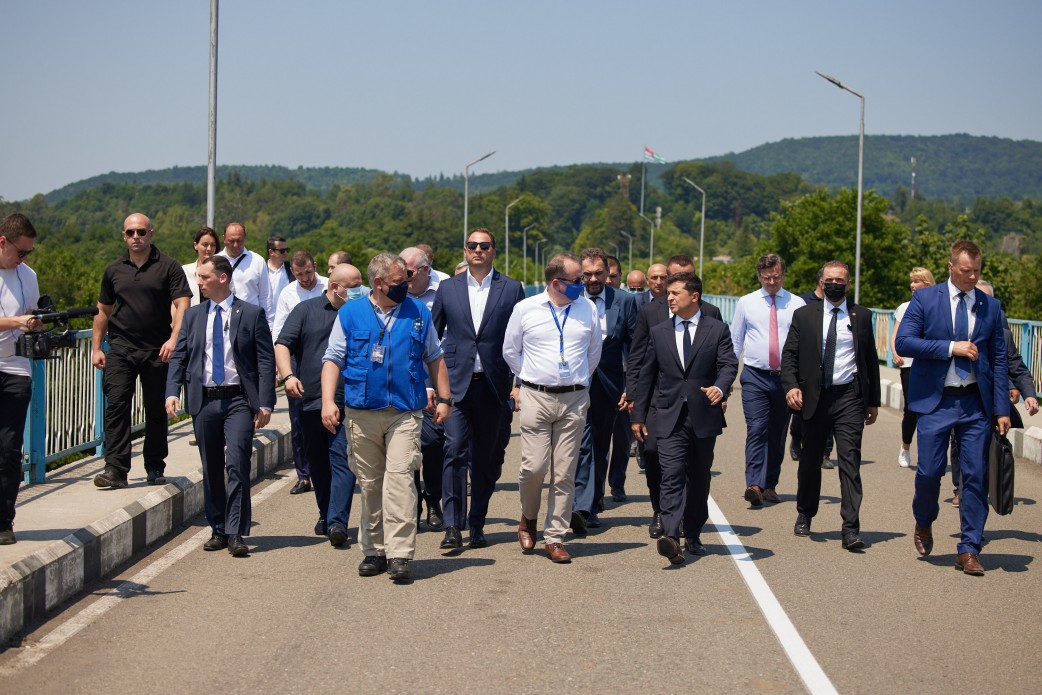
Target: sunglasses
(410,273)
(22,255)
(285,250)
(474,245)
(138,232)
(569,281)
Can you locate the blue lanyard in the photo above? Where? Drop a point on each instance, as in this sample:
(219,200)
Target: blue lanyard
(560,324)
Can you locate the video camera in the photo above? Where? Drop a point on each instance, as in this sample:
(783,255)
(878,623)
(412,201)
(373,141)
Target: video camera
(39,346)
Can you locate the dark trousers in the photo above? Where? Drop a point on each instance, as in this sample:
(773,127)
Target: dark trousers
(295,406)
(592,468)
(687,462)
(432,468)
(910,417)
(474,442)
(123,366)
(842,410)
(621,440)
(15,393)
(766,421)
(221,423)
(796,432)
(965,416)
(333,481)
(652,469)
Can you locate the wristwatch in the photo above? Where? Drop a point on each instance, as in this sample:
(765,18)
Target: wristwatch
(447,401)
(287,378)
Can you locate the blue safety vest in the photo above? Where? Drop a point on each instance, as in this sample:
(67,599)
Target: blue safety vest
(397,381)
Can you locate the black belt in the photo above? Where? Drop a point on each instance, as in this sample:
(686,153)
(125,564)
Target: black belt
(553,389)
(769,372)
(967,390)
(218,392)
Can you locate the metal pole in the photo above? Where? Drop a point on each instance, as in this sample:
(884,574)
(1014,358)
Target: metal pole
(211,160)
(506,236)
(643,175)
(630,237)
(466,190)
(651,245)
(537,256)
(702,237)
(524,252)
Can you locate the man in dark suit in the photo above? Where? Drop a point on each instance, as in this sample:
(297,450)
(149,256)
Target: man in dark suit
(959,383)
(653,313)
(470,314)
(689,367)
(225,360)
(830,375)
(617,318)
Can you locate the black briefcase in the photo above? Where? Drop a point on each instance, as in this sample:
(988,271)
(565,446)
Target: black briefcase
(1000,474)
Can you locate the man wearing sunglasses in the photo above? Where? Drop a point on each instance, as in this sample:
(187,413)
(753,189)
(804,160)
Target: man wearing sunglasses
(280,271)
(19,294)
(251,271)
(553,345)
(143,298)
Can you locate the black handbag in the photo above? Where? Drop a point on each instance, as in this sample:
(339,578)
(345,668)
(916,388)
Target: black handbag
(1000,474)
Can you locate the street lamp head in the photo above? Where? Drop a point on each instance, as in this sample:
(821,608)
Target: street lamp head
(831,79)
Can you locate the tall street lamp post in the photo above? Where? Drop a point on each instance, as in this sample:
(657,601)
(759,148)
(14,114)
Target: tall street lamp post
(524,252)
(506,236)
(702,237)
(466,190)
(630,237)
(651,243)
(537,266)
(860,178)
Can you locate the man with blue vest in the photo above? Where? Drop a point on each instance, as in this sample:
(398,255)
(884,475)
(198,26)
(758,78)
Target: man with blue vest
(381,346)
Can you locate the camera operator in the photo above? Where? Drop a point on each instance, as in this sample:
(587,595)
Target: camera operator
(143,297)
(19,293)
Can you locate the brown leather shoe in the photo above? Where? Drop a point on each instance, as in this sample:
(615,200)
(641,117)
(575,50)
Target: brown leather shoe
(754,495)
(923,537)
(526,533)
(557,553)
(968,563)
(770,495)
(955,501)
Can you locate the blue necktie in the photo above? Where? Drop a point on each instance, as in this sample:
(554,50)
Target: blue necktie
(218,349)
(962,332)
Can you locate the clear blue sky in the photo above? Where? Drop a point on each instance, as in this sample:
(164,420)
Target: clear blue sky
(425,87)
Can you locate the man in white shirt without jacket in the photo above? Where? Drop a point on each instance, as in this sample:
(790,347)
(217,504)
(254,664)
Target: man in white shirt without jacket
(250,276)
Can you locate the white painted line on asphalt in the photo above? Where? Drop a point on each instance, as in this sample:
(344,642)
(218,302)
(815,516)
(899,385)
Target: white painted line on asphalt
(31,654)
(803,661)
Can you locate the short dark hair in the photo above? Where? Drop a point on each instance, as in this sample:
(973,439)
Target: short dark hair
(491,237)
(272,240)
(301,258)
(834,264)
(967,247)
(594,253)
(770,261)
(15,226)
(338,257)
(221,266)
(680,259)
(555,266)
(613,261)
(692,283)
(205,231)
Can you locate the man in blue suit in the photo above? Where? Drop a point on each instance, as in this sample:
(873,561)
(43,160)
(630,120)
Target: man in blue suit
(470,314)
(225,359)
(958,384)
(617,315)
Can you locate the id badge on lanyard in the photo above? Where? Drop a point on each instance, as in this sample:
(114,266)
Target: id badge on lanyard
(563,370)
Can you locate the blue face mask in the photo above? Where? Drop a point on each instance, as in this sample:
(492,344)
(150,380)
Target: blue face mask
(353,293)
(573,292)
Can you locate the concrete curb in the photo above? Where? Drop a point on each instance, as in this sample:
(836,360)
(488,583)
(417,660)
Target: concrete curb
(32,587)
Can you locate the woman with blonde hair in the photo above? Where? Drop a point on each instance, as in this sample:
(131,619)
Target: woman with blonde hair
(920,278)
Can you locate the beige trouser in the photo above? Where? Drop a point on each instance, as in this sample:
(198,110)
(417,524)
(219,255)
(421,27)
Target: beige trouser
(386,448)
(551,432)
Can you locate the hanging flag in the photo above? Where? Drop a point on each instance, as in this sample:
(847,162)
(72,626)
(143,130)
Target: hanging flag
(650,156)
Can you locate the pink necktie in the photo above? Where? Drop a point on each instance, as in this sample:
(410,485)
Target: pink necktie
(774,355)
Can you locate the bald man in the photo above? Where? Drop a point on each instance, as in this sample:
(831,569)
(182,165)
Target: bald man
(637,284)
(152,292)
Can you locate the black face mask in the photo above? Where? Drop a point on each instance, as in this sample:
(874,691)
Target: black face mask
(834,291)
(397,293)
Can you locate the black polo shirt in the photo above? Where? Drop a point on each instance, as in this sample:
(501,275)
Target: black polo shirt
(141,298)
(306,334)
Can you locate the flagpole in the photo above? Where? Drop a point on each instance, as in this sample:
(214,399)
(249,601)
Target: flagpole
(643,175)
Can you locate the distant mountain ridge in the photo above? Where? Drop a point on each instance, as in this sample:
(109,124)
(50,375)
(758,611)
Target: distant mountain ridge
(948,167)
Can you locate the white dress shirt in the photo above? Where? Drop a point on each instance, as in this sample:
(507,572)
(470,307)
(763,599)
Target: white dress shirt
(477,293)
(751,325)
(250,282)
(277,281)
(231,375)
(952,378)
(293,295)
(844,368)
(532,343)
(678,327)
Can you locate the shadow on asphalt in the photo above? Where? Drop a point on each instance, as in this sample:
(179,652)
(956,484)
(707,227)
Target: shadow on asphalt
(51,534)
(446,564)
(1004,534)
(114,587)
(740,531)
(869,537)
(579,548)
(991,561)
(263,544)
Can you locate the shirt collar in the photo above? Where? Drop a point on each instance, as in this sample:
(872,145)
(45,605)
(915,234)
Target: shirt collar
(843,308)
(153,254)
(954,291)
(694,319)
(226,305)
(485,281)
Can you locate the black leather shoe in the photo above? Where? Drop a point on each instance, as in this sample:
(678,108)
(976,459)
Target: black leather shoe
(107,479)
(452,539)
(477,538)
(852,541)
(301,486)
(435,522)
(794,451)
(655,530)
(399,570)
(670,548)
(802,526)
(218,541)
(619,495)
(372,565)
(598,506)
(156,478)
(320,528)
(578,524)
(337,535)
(236,547)
(7,537)
(593,521)
(695,547)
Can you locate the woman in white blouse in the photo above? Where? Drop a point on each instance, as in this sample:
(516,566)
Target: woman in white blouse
(920,278)
(205,245)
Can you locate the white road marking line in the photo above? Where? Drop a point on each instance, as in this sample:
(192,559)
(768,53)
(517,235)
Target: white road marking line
(803,661)
(31,654)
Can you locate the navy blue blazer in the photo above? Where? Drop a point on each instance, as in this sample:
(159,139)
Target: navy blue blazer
(925,334)
(462,343)
(251,346)
(620,314)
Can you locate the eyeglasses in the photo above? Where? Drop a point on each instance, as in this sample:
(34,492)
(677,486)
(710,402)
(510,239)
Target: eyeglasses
(138,232)
(409,273)
(474,245)
(285,250)
(569,281)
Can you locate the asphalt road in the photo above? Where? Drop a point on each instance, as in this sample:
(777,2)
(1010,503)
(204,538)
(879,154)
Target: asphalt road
(296,617)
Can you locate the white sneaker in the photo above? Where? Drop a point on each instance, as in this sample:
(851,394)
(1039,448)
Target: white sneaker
(904,459)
